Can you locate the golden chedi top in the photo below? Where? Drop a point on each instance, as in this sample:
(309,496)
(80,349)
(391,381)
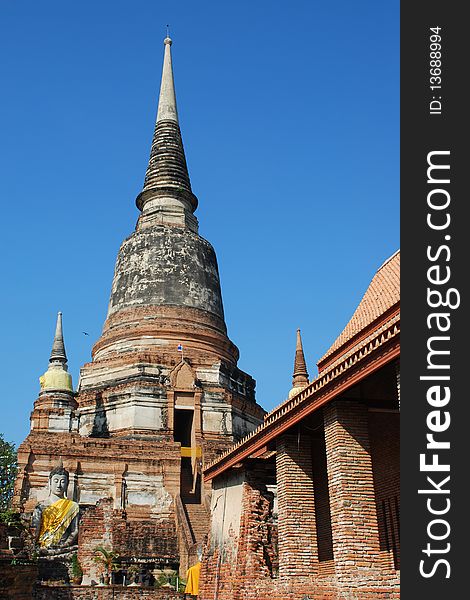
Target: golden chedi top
(57,376)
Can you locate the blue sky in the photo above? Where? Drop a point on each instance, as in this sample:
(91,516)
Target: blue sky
(290,119)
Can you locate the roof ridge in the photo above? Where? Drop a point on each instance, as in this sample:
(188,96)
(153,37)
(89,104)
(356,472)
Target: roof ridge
(388,260)
(380,295)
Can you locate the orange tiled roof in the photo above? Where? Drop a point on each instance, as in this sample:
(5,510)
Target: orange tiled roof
(381,295)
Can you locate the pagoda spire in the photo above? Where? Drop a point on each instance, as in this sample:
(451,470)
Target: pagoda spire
(57,377)
(167,198)
(300,375)
(58,347)
(167,102)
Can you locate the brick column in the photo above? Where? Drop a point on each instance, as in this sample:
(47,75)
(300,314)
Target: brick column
(298,553)
(171,410)
(119,485)
(198,414)
(351,487)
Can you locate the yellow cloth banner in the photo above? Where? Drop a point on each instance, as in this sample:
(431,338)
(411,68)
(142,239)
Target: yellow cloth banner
(54,521)
(189,451)
(192,580)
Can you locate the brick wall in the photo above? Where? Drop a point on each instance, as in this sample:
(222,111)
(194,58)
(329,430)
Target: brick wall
(114,592)
(249,555)
(16,581)
(384,430)
(298,554)
(330,486)
(258,552)
(3,537)
(322,500)
(95,530)
(356,545)
(146,538)
(102,525)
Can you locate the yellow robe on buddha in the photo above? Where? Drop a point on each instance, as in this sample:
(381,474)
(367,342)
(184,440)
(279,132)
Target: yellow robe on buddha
(55,519)
(192,578)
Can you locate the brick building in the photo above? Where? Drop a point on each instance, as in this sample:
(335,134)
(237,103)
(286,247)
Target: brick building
(307,506)
(162,395)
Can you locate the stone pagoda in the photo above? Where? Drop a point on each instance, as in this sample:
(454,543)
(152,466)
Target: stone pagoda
(162,395)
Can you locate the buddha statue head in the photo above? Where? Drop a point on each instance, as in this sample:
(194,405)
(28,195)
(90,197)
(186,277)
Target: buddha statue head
(58,481)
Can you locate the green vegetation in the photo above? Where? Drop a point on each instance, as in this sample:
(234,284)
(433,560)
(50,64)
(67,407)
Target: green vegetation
(11,518)
(77,570)
(106,558)
(170,579)
(8,470)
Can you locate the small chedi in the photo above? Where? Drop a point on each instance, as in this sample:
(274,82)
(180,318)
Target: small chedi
(55,520)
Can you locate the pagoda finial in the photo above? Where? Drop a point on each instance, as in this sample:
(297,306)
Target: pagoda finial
(300,375)
(167,102)
(58,346)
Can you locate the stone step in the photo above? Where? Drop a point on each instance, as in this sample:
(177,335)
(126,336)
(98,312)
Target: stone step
(199,519)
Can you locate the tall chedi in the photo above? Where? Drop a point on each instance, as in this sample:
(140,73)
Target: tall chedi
(166,295)
(163,393)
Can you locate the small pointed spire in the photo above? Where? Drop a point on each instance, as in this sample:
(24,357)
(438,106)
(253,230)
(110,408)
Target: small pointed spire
(57,377)
(58,346)
(300,375)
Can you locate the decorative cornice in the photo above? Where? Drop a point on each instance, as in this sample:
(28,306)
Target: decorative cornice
(368,356)
(332,357)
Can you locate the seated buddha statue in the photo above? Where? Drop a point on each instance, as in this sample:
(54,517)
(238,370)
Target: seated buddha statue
(56,519)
